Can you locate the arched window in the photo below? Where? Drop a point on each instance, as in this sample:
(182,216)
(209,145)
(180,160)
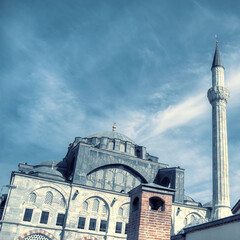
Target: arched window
(62,202)
(135,205)
(32,197)
(48,198)
(120,212)
(156,203)
(126,211)
(104,209)
(193,218)
(85,206)
(165,182)
(95,206)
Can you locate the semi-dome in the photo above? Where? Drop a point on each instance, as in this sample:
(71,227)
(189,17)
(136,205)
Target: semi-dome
(112,135)
(50,167)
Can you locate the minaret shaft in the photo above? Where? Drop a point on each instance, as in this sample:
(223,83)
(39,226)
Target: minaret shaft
(218,96)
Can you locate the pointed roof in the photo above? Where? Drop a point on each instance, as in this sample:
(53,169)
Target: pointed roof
(217,60)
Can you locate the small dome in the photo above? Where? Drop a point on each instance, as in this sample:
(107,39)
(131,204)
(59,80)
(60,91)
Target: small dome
(112,135)
(187,198)
(50,167)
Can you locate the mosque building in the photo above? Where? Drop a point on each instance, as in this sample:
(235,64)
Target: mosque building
(109,187)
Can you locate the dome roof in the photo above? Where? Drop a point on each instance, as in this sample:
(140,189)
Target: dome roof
(52,167)
(187,198)
(112,135)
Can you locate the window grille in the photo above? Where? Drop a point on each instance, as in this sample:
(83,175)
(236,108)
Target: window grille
(104,209)
(28,215)
(62,202)
(103,226)
(85,206)
(60,219)
(92,224)
(95,206)
(120,212)
(81,222)
(48,198)
(44,217)
(32,197)
(36,236)
(118,227)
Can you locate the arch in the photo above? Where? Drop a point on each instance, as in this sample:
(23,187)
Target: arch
(40,233)
(165,182)
(100,199)
(156,203)
(192,217)
(88,238)
(55,188)
(121,166)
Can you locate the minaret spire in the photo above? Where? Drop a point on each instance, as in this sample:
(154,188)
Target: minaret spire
(218,97)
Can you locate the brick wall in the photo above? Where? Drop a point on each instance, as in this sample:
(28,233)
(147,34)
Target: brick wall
(146,223)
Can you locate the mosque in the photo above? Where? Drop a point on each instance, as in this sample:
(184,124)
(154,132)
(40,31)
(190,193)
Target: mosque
(109,187)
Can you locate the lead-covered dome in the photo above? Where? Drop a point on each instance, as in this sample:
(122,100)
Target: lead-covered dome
(112,135)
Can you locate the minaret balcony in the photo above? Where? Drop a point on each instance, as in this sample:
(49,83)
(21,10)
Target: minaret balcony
(218,93)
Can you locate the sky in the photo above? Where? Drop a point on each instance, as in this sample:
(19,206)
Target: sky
(73,68)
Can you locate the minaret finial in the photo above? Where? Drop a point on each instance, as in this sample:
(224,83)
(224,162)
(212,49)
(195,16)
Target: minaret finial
(216,37)
(114,127)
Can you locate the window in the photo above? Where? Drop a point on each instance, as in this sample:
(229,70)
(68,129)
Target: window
(48,198)
(44,217)
(118,227)
(28,215)
(60,219)
(156,203)
(120,212)
(104,209)
(92,224)
(126,228)
(62,202)
(32,197)
(135,204)
(81,222)
(103,226)
(85,206)
(95,205)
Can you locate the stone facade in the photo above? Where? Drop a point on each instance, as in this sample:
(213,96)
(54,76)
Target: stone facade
(87,194)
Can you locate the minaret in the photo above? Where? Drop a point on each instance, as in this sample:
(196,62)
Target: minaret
(218,96)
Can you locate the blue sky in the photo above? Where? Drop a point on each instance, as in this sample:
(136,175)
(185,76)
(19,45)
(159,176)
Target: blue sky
(73,68)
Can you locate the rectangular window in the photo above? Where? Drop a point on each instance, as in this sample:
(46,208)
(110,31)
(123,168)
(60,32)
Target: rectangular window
(118,227)
(92,224)
(81,222)
(28,215)
(60,219)
(44,217)
(126,228)
(103,226)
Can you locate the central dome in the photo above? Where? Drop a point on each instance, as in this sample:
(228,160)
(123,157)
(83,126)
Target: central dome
(112,135)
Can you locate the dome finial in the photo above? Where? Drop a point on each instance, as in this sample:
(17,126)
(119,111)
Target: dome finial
(114,127)
(216,37)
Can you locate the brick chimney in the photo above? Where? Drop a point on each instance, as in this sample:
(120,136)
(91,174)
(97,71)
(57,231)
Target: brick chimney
(150,212)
